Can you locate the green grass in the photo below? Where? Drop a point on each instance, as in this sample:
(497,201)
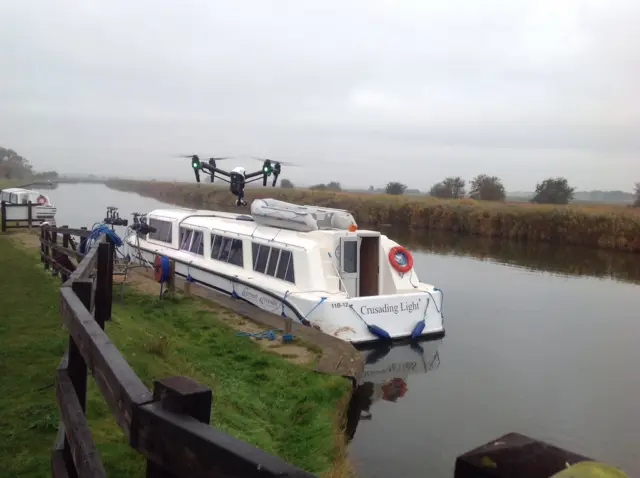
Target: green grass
(259,397)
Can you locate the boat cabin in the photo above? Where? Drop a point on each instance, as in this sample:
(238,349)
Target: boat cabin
(21,196)
(329,259)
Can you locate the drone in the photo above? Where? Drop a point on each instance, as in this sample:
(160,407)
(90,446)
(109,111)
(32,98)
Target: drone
(237,177)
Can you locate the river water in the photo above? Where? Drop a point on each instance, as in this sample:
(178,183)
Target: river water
(539,340)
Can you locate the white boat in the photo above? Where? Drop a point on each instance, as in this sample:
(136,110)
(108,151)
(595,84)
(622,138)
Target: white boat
(42,209)
(308,263)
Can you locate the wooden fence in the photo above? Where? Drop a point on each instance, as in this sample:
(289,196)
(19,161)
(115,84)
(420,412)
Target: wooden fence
(169,426)
(14,216)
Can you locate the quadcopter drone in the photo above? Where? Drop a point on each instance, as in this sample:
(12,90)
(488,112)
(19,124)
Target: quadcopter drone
(237,177)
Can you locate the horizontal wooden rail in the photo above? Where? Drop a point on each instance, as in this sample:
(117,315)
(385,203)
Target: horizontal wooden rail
(187,447)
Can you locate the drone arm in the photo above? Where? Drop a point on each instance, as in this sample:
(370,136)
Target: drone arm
(211,170)
(253,179)
(254,174)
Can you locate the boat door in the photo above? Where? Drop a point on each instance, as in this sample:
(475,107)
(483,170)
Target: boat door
(350,264)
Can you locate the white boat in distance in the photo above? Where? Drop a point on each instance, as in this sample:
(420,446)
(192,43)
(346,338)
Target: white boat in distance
(309,263)
(43,210)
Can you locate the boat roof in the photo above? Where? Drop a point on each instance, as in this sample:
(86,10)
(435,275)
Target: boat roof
(242,224)
(182,213)
(18,190)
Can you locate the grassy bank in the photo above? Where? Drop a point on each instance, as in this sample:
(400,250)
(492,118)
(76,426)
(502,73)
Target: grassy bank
(259,396)
(604,226)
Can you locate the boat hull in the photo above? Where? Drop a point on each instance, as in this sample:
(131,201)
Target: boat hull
(349,319)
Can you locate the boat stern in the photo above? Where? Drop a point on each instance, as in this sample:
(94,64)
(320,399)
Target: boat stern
(393,317)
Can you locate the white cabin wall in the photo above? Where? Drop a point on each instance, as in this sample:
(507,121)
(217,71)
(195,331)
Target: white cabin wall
(327,241)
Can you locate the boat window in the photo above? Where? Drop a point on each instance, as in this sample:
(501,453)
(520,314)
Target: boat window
(216,243)
(24,199)
(225,249)
(163,230)
(185,238)
(350,259)
(273,261)
(285,267)
(260,262)
(235,256)
(228,250)
(197,244)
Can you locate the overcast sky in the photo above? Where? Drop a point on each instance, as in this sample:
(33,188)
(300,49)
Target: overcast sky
(361,92)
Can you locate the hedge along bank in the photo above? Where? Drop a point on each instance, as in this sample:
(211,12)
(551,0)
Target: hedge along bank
(608,227)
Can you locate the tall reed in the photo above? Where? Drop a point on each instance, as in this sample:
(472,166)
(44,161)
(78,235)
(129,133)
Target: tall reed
(603,226)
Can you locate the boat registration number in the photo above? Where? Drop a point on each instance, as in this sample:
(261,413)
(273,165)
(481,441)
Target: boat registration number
(339,305)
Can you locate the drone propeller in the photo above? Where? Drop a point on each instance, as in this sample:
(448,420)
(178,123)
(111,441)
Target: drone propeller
(283,163)
(192,156)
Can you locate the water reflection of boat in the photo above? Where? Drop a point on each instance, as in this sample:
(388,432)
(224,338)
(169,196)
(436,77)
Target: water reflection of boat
(385,376)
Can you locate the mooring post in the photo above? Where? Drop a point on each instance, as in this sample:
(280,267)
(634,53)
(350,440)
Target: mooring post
(180,395)
(29,215)
(3,212)
(515,455)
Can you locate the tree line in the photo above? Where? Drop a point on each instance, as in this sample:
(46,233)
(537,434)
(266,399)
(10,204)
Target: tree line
(14,166)
(481,188)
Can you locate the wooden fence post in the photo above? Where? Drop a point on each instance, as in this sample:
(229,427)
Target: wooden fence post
(3,212)
(42,229)
(29,215)
(180,395)
(47,249)
(52,251)
(77,365)
(83,241)
(65,244)
(104,283)
(77,368)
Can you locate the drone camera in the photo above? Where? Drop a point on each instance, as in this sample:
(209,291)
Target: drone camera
(113,218)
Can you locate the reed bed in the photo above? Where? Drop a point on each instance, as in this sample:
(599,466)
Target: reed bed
(596,225)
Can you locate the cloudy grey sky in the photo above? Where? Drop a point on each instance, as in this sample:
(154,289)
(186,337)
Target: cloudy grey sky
(362,92)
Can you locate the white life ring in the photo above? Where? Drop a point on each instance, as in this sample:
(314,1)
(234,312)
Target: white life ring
(41,200)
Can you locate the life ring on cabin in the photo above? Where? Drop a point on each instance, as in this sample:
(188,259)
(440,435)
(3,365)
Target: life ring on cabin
(41,200)
(161,268)
(401,259)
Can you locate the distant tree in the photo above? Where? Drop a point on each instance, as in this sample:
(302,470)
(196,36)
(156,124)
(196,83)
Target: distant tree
(487,188)
(553,191)
(636,202)
(395,187)
(13,166)
(332,186)
(371,189)
(451,187)
(285,183)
